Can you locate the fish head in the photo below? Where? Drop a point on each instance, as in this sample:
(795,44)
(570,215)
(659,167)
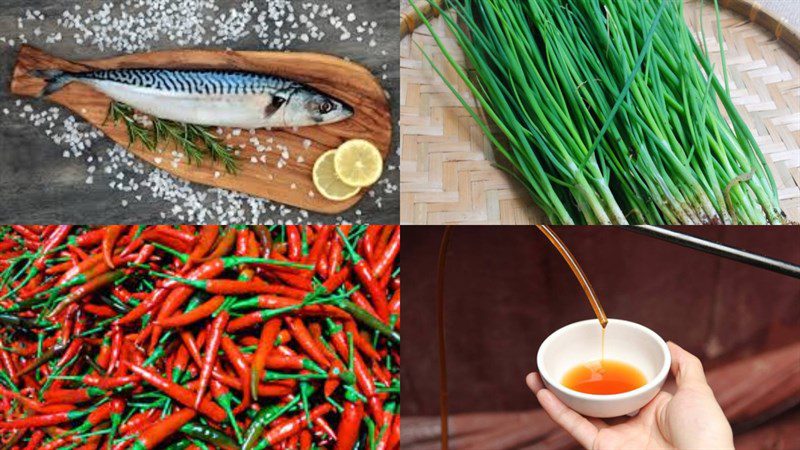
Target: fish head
(307,107)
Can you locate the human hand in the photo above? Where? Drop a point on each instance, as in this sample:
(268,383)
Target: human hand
(689,419)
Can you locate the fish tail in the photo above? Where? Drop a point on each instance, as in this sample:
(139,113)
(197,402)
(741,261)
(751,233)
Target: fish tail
(56,79)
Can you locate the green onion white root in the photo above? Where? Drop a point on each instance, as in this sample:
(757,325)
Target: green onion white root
(609,112)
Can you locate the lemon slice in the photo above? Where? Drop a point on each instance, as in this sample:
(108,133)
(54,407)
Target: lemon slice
(358,163)
(327,182)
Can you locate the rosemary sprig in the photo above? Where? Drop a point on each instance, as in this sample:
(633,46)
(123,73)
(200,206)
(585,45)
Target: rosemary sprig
(196,141)
(120,112)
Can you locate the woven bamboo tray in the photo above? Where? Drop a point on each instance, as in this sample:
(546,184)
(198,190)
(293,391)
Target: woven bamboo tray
(447,175)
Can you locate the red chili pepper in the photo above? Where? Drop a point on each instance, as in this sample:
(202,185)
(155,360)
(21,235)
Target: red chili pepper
(36,438)
(212,347)
(242,242)
(199,313)
(359,299)
(139,420)
(383,239)
(322,267)
(90,238)
(71,395)
(296,281)
(368,242)
(179,393)
(364,273)
(385,428)
(185,238)
(336,280)
(101,281)
(213,268)
(104,412)
(347,433)
(225,243)
(72,351)
(337,371)
(234,287)
(320,241)
(163,429)
(362,344)
(386,259)
(34,405)
(25,232)
(193,346)
(303,337)
(54,240)
(257,317)
(7,244)
(108,382)
(58,443)
(394,305)
(82,268)
(322,425)
(363,375)
(294,425)
(110,241)
(266,342)
(115,350)
(44,420)
(289,362)
(174,300)
(305,440)
(394,440)
(166,236)
(240,365)
(143,343)
(264,238)
(144,254)
(206,239)
(144,307)
(293,240)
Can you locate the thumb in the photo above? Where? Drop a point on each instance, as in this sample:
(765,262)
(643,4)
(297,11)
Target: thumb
(687,368)
(661,406)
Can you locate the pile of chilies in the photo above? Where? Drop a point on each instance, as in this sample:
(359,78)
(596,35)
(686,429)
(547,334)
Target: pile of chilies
(247,337)
(609,111)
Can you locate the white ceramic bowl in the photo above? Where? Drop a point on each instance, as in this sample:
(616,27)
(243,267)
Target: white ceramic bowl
(628,342)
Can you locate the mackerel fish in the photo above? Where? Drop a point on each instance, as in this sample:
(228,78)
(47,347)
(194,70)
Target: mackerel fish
(222,98)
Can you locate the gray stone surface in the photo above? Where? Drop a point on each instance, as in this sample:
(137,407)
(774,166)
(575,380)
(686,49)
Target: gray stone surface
(38,184)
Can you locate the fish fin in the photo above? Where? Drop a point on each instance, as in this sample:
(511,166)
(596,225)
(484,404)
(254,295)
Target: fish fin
(274,106)
(56,79)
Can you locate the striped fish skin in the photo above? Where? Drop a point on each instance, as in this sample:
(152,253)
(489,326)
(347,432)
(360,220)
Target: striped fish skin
(214,97)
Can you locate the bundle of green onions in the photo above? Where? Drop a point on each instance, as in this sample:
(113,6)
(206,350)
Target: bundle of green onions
(609,112)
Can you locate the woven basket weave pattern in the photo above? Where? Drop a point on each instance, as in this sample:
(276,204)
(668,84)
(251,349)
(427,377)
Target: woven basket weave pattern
(447,172)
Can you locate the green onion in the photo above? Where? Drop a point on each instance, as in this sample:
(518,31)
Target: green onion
(608,111)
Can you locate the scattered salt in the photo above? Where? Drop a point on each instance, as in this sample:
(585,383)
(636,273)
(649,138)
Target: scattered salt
(131,26)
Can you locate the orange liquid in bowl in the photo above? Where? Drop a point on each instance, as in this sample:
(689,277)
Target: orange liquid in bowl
(604,377)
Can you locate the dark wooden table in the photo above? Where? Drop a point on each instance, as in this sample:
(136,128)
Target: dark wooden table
(38,184)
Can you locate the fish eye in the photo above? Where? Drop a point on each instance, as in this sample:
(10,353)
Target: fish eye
(326,107)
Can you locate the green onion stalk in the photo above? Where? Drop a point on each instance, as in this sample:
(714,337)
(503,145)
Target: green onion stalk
(608,111)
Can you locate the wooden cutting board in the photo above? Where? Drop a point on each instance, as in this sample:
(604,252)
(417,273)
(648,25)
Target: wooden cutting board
(290,184)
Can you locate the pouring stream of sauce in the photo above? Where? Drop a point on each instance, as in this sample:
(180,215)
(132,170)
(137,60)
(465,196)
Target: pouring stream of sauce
(579,274)
(570,260)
